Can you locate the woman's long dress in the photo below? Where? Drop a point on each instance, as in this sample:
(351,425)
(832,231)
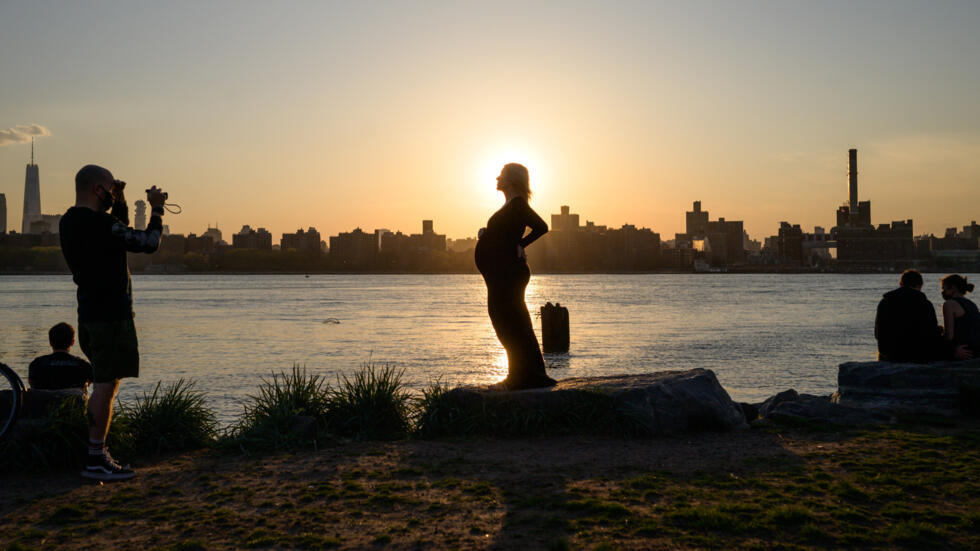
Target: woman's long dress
(507,275)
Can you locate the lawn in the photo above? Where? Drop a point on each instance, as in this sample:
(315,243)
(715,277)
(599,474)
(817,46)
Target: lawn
(915,487)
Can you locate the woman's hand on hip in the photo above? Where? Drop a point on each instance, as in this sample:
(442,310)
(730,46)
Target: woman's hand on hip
(521,253)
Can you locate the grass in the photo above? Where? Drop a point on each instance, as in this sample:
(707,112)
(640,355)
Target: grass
(372,404)
(909,487)
(56,441)
(174,420)
(289,412)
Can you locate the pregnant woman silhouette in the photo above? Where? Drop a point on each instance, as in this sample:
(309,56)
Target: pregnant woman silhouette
(500,258)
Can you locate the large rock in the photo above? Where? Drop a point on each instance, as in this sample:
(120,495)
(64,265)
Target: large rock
(942,388)
(663,403)
(792,406)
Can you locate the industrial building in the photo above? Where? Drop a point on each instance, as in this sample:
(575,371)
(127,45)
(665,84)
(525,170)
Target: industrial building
(859,242)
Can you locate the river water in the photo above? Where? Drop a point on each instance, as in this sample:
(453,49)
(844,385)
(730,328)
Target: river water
(759,333)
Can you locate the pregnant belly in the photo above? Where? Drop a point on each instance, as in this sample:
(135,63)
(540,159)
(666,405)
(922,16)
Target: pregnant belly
(493,256)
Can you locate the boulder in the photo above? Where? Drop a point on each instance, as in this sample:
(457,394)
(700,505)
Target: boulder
(792,406)
(946,389)
(749,411)
(650,404)
(770,404)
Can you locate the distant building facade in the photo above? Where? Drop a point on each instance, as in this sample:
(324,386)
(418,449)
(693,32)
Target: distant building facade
(200,244)
(355,249)
(428,240)
(720,243)
(788,244)
(697,221)
(569,246)
(45,223)
(33,221)
(308,241)
(32,196)
(461,245)
(139,218)
(248,238)
(860,243)
(215,235)
(565,221)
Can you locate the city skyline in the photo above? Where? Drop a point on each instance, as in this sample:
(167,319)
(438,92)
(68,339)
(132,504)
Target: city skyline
(339,117)
(32,204)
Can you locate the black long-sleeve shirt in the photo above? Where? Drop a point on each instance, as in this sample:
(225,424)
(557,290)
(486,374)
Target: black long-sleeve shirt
(505,231)
(95,246)
(906,328)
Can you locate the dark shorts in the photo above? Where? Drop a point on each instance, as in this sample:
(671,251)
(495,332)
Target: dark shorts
(112,348)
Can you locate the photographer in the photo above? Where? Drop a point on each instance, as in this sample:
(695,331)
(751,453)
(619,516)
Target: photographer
(94,243)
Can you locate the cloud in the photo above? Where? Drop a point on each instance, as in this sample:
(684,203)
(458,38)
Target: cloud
(22,133)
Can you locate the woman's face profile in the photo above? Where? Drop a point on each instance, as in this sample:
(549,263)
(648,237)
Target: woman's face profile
(502,181)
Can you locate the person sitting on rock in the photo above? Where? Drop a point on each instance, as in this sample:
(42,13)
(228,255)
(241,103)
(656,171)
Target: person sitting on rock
(60,370)
(961,318)
(906,328)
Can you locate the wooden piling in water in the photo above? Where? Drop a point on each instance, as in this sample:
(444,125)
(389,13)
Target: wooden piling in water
(554,328)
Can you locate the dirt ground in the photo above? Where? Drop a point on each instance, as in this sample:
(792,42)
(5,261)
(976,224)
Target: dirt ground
(753,489)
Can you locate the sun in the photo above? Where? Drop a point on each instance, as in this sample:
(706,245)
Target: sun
(493,158)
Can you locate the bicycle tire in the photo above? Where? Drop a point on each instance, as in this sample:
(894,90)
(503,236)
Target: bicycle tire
(10,383)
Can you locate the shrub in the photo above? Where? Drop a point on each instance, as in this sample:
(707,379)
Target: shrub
(373,404)
(56,441)
(174,420)
(289,412)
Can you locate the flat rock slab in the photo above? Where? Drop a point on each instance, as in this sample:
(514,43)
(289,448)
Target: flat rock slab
(948,389)
(649,404)
(789,405)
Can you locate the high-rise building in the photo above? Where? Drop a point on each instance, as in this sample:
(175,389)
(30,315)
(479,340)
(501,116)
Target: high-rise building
(726,239)
(307,242)
(379,233)
(566,221)
(215,235)
(3,214)
(355,249)
(248,238)
(428,239)
(32,195)
(697,221)
(139,220)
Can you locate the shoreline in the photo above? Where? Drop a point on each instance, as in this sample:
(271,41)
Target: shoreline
(659,272)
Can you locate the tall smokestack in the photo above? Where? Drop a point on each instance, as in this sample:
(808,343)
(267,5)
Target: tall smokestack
(852,179)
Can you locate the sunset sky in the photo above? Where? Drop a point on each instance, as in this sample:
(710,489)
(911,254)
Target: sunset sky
(378,114)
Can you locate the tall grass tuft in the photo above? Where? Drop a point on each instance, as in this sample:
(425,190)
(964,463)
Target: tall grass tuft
(175,419)
(438,414)
(288,413)
(54,442)
(372,404)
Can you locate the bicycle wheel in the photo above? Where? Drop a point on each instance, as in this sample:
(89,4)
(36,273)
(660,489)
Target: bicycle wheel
(11,398)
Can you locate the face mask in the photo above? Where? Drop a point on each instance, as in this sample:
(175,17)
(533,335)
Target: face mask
(105,201)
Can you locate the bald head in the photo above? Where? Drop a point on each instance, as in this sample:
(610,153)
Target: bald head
(91,175)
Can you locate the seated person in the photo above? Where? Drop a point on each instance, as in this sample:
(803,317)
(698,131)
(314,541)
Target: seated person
(906,326)
(961,317)
(60,370)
